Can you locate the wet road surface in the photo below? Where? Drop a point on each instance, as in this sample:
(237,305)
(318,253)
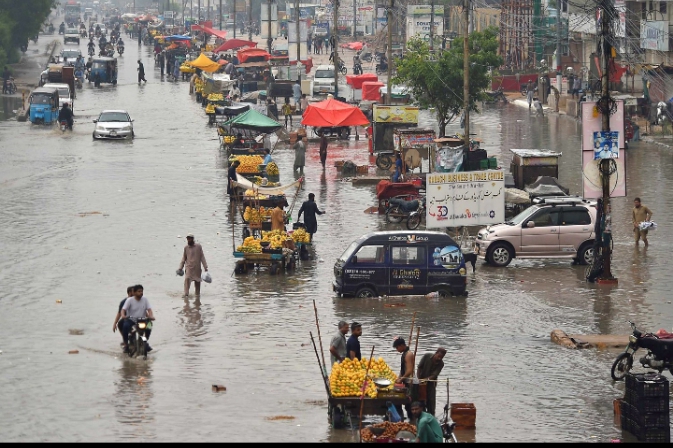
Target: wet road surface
(82,220)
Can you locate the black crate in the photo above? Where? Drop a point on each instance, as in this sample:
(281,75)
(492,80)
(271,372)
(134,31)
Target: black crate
(626,409)
(647,385)
(652,435)
(652,420)
(645,405)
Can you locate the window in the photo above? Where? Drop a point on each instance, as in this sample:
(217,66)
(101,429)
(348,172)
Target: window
(576,217)
(408,255)
(643,11)
(662,8)
(370,254)
(547,217)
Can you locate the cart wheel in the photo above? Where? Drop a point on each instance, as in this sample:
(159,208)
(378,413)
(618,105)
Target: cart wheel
(273,270)
(384,162)
(241,268)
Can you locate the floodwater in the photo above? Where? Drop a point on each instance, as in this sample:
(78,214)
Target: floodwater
(82,220)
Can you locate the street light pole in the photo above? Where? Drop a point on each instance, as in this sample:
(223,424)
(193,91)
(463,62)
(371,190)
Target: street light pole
(235,19)
(466,70)
(355,18)
(296,5)
(250,20)
(432,24)
(220,13)
(389,19)
(335,39)
(269,40)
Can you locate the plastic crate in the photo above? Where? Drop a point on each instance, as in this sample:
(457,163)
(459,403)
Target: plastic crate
(647,385)
(483,164)
(644,405)
(652,420)
(652,435)
(492,163)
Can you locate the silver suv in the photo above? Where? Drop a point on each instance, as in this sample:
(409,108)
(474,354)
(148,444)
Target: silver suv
(554,227)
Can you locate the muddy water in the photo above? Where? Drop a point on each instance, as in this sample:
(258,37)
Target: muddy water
(81,220)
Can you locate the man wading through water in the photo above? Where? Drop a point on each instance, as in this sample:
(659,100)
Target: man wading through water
(192,258)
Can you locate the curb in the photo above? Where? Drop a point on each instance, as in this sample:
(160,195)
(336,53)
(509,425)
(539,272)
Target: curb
(656,142)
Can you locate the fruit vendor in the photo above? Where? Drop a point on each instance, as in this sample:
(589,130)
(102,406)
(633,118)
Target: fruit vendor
(428,429)
(429,368)
(406,370)
(231,176)
(278,217)
(337,347)
(309,209)
(353,343)
(239,140)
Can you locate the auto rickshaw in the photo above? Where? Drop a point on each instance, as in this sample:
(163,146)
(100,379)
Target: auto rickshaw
(103,69)
(43,105)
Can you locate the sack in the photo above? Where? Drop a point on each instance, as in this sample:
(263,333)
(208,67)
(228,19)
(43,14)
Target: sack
(206,277)
(180,272)
(393,415)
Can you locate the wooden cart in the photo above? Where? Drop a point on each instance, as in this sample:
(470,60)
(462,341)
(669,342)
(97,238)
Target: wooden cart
(273,261)
(347,409)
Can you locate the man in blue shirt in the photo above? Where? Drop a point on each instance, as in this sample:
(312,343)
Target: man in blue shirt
(267,157)
(353,344)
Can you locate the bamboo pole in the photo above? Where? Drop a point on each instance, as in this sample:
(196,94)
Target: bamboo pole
(364,388)
(317,324)
(415,379)
(411,332)
(322,369)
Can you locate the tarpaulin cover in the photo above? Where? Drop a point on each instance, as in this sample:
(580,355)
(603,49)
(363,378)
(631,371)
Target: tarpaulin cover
(234,109)
(370,90)
(356,80)
(245,183)
(353,45)
(176,37)
(386,189)
(219,33)
(247,53)
(255,121)
(308,64)
(546,186)
(234,44)
(333,113)
(204,63)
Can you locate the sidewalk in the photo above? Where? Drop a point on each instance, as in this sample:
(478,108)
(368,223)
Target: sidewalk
(662,140)
(27,71)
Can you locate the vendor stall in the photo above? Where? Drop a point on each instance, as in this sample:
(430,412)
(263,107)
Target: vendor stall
(251,125)
(386,119)
(331,115)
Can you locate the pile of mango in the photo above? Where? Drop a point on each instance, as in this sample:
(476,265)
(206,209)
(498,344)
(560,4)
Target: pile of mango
(272,169)
(252,214)
(301,236)
(198,85)
(249,164)
(186,68)
(210,109)
(276,238)
(251,245)
(228,139)
(252,194)
(348,377)
(215,97)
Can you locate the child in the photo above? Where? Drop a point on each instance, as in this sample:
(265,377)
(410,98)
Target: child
(287,111)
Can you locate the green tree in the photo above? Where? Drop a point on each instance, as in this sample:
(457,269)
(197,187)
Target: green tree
(436,80)
(19,21)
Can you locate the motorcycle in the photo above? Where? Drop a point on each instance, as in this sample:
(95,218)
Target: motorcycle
(120,49)
(138,345)
(415,217)
(496,96)
(357,69)
(64,125)
(61,29)
(367,57)
(399,209)
(659,354)
(381,68)
(92,51)
(11,86)
(342,67)
(79,78)
(83,34)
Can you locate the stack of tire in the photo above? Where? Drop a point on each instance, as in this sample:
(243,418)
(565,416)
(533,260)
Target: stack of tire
(645,409)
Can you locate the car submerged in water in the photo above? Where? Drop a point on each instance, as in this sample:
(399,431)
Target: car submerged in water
(113,125)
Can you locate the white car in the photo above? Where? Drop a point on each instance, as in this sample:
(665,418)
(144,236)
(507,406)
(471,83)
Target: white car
(69,56)
(324,80)
(64,93)
(114,125)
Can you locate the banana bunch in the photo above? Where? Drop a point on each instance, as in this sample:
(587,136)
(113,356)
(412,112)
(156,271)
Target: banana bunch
(186,68)
(275,238)
(210,108)
(252,194)
(254,215)
(250,245)
(249,164)
(258,181)
(229,139)
(301,236)
(216,97)
(272,169)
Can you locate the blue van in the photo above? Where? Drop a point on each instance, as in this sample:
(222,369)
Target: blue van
(401,263)
(43,105)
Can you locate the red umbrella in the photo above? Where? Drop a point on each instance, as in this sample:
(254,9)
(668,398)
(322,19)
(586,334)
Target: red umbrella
(333,113)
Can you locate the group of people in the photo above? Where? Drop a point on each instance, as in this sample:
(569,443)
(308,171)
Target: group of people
(132,307)
(428,370)
(318,43)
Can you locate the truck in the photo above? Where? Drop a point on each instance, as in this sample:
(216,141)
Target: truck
(72,10)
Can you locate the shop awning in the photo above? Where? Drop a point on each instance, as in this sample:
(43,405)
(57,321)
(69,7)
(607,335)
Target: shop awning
(235,44)
(219,33)
(204,63)
(250,53)
(176,37)
(353,46)
(333,113)
(254,121)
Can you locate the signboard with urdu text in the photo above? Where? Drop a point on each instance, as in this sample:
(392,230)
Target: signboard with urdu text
(395,114)
(465,198)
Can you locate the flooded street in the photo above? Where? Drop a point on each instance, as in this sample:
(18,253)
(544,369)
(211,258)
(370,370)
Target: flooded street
(81,220)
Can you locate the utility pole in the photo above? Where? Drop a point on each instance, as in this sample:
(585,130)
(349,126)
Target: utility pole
(466,70)
(432,24)
(389,20)
(269,40)
(296,3)
(558,47)
(250,20)
(199,14)
(355,18)
(335,39)
(235,19)
(607,11)
(220,13)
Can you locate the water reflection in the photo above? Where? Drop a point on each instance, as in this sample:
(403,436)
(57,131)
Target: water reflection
(133,400)
(191,319)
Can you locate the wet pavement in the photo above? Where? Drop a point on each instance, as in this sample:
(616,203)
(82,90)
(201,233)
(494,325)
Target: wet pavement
(82,220)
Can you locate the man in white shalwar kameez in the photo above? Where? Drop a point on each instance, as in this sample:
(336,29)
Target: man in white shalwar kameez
(192,259)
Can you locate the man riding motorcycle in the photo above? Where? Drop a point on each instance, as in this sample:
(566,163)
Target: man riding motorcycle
(65,114)
(357,65)
(120,45)
(91,48)
(61,28)
(101,42)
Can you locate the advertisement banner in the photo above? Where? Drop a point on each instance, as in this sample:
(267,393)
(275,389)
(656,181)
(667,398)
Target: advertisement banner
(592,122)
(654,35)
(465,198)
(606,145)
(591,178)
(419,18)
(395,114)
(292,31)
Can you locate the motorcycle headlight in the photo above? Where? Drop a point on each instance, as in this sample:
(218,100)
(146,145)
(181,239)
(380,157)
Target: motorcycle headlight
(142,325)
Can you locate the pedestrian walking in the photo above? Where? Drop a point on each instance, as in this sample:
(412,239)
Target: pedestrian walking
(141,72)
(287,112)
(176,71)
(323,149)
(429,368)
(578,86)
(160,59)
(310,209)
(530,90)
(271,109)
(192,259)
(640,214)
(300,152)
(296,94)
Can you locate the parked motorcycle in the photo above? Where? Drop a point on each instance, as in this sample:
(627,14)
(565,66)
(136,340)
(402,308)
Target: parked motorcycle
(415,217)
(367,57)
(659,354)
(496,96)
(399,209)
(138,345)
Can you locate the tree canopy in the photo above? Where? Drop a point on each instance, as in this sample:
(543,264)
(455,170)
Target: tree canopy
(19,21)
(436,79)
